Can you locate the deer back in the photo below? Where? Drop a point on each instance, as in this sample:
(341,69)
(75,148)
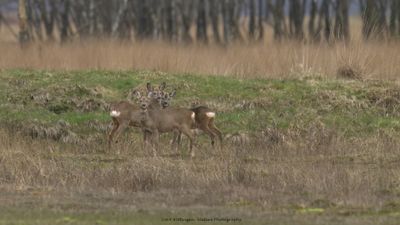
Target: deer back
(171,118)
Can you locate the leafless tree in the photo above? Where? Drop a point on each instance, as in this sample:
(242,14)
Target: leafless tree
(279,26)
(341,29)
(394,25)
(173,20)
(296,18)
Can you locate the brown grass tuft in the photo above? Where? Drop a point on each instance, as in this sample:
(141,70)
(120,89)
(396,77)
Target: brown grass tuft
(348,72)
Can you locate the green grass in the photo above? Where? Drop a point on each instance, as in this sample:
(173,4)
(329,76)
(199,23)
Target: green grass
(346,106)
(69,214)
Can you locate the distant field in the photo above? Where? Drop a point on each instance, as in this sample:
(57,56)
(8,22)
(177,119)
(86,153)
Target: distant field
(305,149)
(267,59)
(260,60)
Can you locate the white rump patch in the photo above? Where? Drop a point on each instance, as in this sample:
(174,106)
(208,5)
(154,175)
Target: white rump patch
(210,114)
(193,115)
(115,113)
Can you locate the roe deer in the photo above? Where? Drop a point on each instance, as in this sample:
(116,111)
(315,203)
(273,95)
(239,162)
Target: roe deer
(156,120)
(125,113)
(204,120)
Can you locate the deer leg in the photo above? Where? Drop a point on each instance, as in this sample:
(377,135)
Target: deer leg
(112,133)
(189,134)
(146,136)
(156,139)
(121,128)
(179,141)
(176,140)
(216,131)
(208,131)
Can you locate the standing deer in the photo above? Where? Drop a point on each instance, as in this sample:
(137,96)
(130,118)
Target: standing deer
(156,120)
(125,114)
(204,120)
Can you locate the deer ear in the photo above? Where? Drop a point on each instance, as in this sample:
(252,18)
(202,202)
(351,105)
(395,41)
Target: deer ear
(162,86)
(149,87)
(172,94)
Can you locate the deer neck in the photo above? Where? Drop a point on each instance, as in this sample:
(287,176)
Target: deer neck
(154,105)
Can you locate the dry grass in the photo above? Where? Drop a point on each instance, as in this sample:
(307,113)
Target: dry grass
(270,60)
(313,169)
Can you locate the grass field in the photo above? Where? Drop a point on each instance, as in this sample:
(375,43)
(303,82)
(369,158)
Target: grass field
(306,150)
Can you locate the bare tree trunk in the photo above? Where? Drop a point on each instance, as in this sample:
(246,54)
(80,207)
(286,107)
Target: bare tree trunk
(234,20)
(394,18)
(65,21)
(227,25)
(144,21)
(296,18)
(36,20)
(80,17)
(30,19)
(252,20)
(201,29)
(171,20)
(108,15)
(398,17)
(325,18)
(186,9)
(341,28)
(214,17)
(126,24)
(278,16)
(23,24)
(92,18)
(1,19)
(313,32)
(48,21)
(116,23)
(261,7)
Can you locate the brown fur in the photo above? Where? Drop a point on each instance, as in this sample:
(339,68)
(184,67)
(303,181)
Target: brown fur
(129,116)
(156,120)
(206,124)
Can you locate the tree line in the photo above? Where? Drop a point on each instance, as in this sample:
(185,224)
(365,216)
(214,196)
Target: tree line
(204,21)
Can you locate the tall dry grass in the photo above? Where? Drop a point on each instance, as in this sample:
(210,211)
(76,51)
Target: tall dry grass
(267,59)
(270,60)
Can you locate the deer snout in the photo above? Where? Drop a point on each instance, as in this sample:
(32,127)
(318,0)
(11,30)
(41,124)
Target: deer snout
(143,106)
(165,104)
